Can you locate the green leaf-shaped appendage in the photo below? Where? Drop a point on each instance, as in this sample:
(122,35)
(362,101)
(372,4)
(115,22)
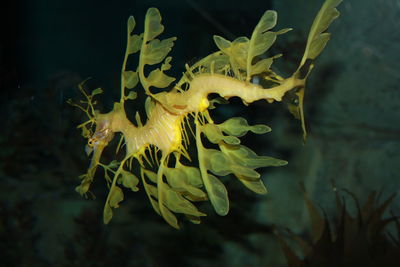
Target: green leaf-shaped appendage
(237,52)
(238,126)
(261,40)
(232,158)
(129,180)
(317,38)
(240,161)
(115,197)
(182,179)
(154,51)
(151,190)
(182,187)
(130,79)
(242,51)
(214,134)
(177,203)
(217,194)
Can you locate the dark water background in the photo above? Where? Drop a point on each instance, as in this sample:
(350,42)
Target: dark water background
(352,112)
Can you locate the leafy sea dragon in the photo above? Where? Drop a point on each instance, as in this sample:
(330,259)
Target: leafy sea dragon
(157,148)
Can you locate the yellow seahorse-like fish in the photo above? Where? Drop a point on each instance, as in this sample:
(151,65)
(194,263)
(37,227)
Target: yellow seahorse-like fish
(172,186)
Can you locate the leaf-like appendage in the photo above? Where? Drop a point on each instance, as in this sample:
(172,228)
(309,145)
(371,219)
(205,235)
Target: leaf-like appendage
(97,91)
(130,79)
(152,51)
(233,158)
(223,44)
(262,65)
(85,184)
(238,126)
(151,175)
(151,190)
(176,203)
(149,106)
(192,174)
(132,95)
(242,51)
(217,193)
(237,52)
(217,162)
(129,180)
(158,78)
(179,180)
(169,216)
(153,26)
(155,51)
(182,186)
(214,134)
(261,40)
(316,38)
(249,158)
(114,198)
(134,41)
(257,186)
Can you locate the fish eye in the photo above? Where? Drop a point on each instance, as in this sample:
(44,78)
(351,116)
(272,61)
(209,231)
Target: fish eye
(91,142)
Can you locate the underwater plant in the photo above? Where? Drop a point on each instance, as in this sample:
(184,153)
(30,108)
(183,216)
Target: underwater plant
(160,145)
(358,240)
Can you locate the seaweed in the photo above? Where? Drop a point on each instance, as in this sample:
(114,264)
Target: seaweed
(360,240)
